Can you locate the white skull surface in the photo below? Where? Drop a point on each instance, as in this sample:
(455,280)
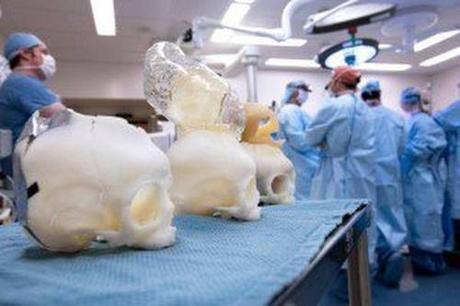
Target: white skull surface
(97,177)
(275,173)
(213,175)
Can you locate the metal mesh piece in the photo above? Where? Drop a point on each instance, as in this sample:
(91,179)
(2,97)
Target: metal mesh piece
(188,93)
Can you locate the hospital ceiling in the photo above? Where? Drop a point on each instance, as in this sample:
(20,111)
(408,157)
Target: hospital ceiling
(68,29)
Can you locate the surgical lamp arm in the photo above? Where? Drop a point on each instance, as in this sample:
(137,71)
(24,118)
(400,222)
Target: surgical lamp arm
(278,34)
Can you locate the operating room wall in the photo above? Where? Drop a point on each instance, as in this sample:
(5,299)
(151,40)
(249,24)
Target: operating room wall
(91,80)
(86,80)
(446,87)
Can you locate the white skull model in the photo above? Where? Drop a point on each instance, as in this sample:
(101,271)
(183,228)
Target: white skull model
(275,172)
(96,177)
(212,174)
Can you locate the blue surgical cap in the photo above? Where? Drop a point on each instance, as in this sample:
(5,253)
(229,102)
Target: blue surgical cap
(19,41)
(292,88)
(371,86)
(411,95)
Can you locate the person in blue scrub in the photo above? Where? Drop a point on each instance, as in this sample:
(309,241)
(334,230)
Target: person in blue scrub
(344,130)
(293,122)
(390,221)
(449,120)
(423,184)
(24,91)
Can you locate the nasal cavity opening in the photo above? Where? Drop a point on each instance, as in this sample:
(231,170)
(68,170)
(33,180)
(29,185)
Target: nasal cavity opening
(144,206)
(279,184)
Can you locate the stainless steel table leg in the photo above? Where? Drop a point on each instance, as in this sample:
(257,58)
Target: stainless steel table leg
(358,274)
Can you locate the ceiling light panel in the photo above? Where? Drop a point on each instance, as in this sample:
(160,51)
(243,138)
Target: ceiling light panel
(235,13)
(441,58)
(104,17)
(435,39)
(293,63)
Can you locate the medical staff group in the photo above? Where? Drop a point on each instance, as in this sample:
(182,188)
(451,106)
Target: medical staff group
(357,148)
(354,148)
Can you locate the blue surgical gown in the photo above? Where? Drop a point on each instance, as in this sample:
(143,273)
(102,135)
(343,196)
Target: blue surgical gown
(423,183)
(344,129)
(390,143)
(293,123)
(449,120)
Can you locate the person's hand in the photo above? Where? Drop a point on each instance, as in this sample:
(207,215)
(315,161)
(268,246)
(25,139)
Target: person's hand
(49,110)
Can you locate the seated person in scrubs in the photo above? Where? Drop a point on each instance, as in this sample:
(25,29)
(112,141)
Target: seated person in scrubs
(24,91)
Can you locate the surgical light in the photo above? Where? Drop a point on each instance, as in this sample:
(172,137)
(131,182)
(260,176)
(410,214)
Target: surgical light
(104,17)
(435,39)
(441,58)
(352,16)
(349,53)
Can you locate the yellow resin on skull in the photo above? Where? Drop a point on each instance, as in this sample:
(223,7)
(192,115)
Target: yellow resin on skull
(275,173)
(256,133)
(196,99)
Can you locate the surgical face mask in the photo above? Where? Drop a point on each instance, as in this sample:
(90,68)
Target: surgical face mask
(373,102)
(48,67)
(410,108)
(303,96)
